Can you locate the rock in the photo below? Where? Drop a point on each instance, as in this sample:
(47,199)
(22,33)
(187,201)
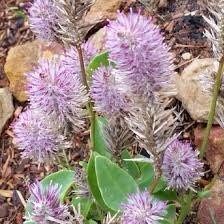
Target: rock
(102,10)
(162,4)
(215,150)
(191,92)
(211,209)
(6,106)
(4,210)
(98,39)
(22,59)
(186,56)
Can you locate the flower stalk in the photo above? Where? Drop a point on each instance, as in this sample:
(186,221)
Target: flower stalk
(218,82)
(89,106)
(185,208)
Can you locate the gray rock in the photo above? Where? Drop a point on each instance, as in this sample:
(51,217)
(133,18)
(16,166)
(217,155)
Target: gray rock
(6,106)
(192,92)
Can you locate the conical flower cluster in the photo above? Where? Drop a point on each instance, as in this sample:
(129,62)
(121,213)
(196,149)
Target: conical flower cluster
(181,166)
(142,208)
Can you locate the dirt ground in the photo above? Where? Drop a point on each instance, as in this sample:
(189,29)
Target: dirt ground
(183,26)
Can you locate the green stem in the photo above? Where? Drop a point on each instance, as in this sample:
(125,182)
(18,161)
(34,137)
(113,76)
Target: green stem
(154,183)
(218,82)
(89,106)
(66,158)
(185,208)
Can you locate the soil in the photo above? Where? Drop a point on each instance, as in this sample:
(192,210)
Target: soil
(183,26)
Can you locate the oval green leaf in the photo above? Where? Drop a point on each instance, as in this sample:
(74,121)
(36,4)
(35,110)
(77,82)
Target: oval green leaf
(100,144)
(92,181)
(98,61)
(64,178)
(114,183)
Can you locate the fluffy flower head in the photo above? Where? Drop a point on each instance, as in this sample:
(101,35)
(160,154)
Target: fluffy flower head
(53,89)
(71,57)
(36,137)
(181,166)
(42,19)
(142,208)
(137,47)
(106,93)
(46,204)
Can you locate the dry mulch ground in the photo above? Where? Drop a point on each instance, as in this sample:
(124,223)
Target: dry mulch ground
(182,23)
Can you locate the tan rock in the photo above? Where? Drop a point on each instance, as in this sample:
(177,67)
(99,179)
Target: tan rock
(191,92)
(6,106)
(22,59)
(215,151)
(101,10)
(211,209)
(99,39)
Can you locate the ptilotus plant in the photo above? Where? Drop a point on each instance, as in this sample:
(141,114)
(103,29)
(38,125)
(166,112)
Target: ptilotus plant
(215,21)
(106,92)
(141,208)
(37,137)
(55,90)
(117,135)
(46,204)
(181,166)
(154,127)
(133,42)
(121,95)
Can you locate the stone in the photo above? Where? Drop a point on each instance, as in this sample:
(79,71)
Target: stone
(211,209)
(215,151)
(22,59)
(4,210)
(102,10)
(190,91)
(98,39)
(6,106)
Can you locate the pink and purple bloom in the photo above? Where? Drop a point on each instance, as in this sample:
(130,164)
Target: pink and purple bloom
(142,208)
(106,92)
(71,57)
(43,18)
(37,138)
(55,91)
(181,166)
(137,47)
(46,205)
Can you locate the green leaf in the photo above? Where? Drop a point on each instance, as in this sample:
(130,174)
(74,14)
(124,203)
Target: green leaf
(90,222)
(92,181)
(130,166)
(166,195)
(85,204)
(100,144)
(29,222)
(160,186)
(204,193)
(114,183)
(147,175)
(64,178)
(170,216)
(98,61)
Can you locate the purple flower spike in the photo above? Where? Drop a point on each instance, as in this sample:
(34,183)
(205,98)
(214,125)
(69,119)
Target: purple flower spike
(181,166)
(36,137)
(138,49)
(106,93)
(42,19)
(71,57)
(46,206)
(142,208)
(54,90)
